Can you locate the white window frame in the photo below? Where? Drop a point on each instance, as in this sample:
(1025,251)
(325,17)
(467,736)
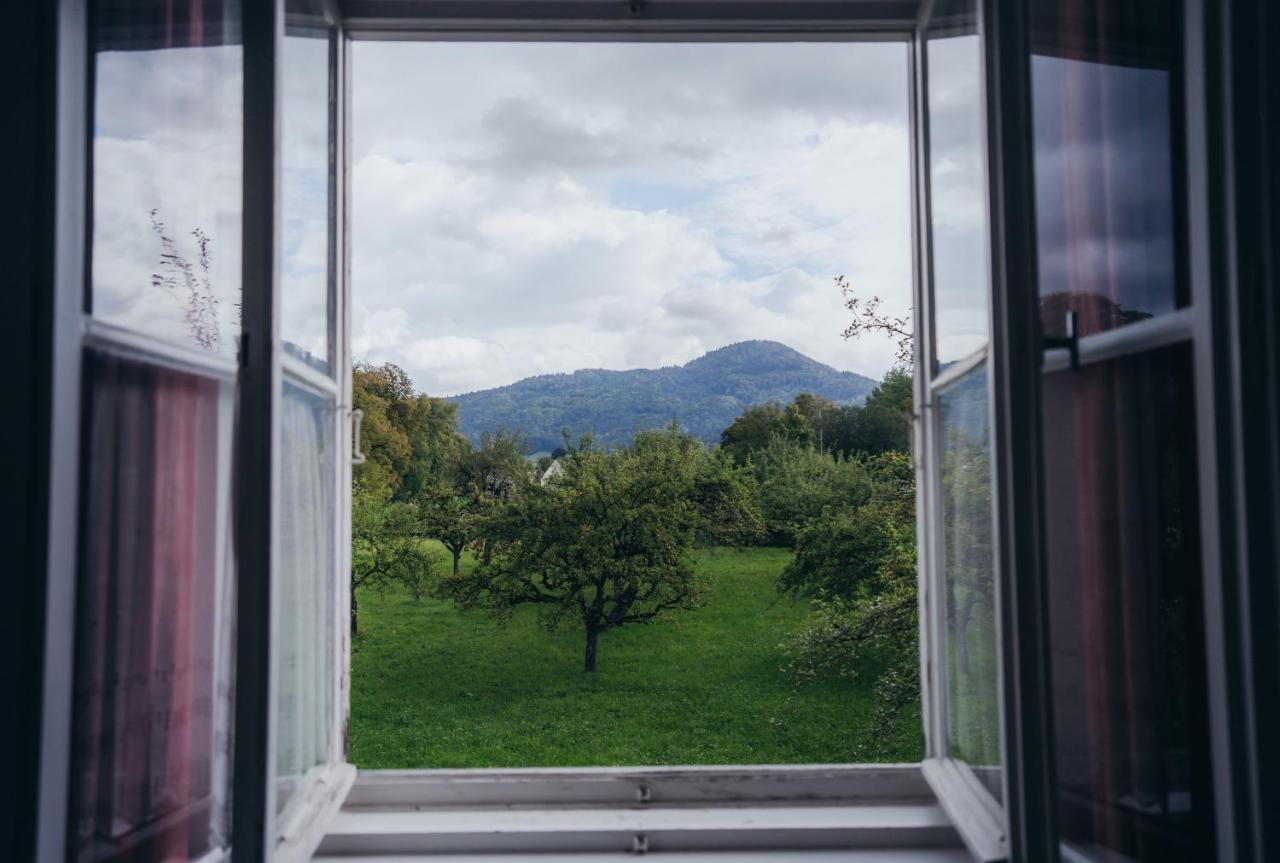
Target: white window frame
(979,817)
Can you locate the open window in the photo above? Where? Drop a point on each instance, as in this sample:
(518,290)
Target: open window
(960,632)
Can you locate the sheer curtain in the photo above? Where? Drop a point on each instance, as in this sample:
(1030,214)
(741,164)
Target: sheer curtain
(306,587)
(151,705)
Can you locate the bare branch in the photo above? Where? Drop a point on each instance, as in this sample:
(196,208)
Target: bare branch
(868,319)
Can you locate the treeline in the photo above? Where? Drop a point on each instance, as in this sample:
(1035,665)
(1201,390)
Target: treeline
(604,540)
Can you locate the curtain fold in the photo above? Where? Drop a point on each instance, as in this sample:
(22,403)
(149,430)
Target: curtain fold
(145,689)
(306,588)
(1124,577)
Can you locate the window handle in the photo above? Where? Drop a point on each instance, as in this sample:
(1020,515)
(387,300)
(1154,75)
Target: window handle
(357,423)
(1071,341)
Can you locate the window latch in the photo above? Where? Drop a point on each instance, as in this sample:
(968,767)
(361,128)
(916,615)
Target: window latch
(1070,341)
(357,422)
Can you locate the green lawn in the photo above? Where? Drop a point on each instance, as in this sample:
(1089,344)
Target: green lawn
(436,687)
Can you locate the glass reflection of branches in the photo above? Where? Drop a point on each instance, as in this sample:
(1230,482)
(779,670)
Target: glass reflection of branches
(970,590)
(190,283)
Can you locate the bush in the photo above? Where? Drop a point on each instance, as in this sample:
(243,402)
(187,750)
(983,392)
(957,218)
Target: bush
(860,568)
(798,483)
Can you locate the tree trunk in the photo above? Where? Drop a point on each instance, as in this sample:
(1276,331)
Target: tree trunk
(355,612)
(457,560)
(593,640)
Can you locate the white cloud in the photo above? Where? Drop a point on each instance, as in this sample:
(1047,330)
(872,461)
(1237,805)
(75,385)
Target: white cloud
(531,208)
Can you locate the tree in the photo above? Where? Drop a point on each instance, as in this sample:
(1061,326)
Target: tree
(605,544)
(385,546)
(450,515)
(431,427)
(376,391)
(406,438)
(841,552)
(867,318)
(755,427)
(727,498)
(797,483)
(860,570)
(880,424)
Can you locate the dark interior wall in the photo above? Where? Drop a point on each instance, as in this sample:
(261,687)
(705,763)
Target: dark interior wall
(1253,31)
(27,70)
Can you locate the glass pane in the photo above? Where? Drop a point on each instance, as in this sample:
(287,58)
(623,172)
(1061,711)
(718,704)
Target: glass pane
(957,182)
(167,170)
(152,695)
(1103,86)
(305,620)
(304,155)
(1127,651)
(973,718)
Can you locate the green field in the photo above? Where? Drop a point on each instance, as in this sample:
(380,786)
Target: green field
(433,686)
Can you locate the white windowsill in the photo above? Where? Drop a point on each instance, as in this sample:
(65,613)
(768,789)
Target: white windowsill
(818,813)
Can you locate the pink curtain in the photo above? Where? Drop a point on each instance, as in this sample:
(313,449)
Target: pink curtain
(145,681)
(1123,558)
(1124,579)
(1104,80)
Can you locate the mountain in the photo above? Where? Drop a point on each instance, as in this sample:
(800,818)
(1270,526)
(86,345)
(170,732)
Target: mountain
(703,395)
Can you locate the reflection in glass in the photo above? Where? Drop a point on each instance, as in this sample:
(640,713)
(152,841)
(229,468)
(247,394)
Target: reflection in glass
(1130,706)
(167,171)
(305,616)
(957,184)
(305,238)
(973,719)
(152,688)
(1102,95)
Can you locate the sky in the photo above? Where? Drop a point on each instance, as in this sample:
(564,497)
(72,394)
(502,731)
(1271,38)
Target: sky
(528,208)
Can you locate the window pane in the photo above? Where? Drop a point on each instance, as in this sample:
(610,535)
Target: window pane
(973,718)
(167,170)
(1103,86)
(305,619)
(304,154)
(152,707)
(1130,711)
(957,182)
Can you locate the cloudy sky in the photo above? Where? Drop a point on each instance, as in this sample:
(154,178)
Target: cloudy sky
(531,208)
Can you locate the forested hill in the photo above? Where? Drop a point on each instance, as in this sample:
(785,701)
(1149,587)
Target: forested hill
(703,395)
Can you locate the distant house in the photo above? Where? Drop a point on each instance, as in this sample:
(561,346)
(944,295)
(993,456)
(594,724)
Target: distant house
(553,470)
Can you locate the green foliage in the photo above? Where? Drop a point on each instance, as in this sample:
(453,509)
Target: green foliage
(385,546)
(434,686)
(760,425)
(703,395)
(467,485)
(798,483)
(967,559)
(859,567)
(727,498)
(450,514)
(842,553)
(881,424)
(406,438)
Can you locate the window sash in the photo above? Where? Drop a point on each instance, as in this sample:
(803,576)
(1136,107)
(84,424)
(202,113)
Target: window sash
(980,819)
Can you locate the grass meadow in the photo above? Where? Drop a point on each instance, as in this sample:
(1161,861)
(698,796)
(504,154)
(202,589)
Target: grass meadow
(433,686)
